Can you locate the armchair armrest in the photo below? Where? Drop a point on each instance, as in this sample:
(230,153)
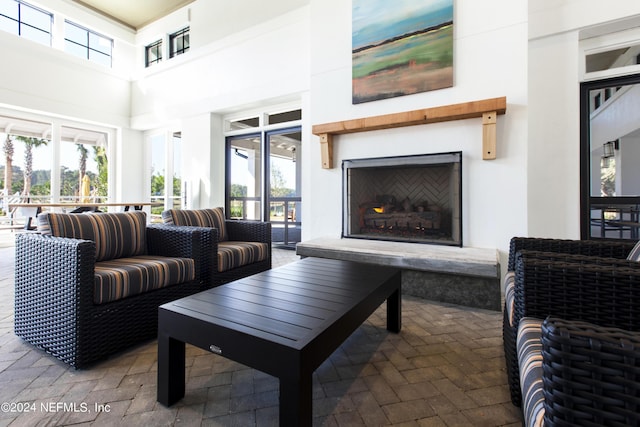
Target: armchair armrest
(249,231)
(604,294)
(591,374)
(576,258)
(601,248)
(198,243)
(47,313)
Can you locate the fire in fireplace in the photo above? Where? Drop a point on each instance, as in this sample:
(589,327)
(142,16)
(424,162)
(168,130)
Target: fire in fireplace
(406,198)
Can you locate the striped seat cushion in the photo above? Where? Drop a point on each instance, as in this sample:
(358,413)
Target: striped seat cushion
(123,277)
(634,255)
(236,254)
(529,345)
(510,295)
(213,218)
(116,235)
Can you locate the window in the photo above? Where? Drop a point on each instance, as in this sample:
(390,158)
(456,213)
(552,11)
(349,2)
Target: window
(87,44)
(26,21)
(179,42)
(612,58)
(76,152)
(244,177)
(165,174)
(153,53)
(83,159)
(287,116)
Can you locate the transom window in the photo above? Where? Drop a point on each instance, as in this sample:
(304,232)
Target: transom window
(179,42)
(25,20)
(153,53)
(87,44)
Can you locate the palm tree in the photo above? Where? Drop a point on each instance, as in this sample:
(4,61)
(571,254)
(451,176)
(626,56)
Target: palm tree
(8,169)
(101,181)
(29,143)
(82,165)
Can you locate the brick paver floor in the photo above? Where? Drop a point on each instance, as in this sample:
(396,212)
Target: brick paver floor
(446,368)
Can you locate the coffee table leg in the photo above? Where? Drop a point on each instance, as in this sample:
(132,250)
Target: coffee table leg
(171,353)
(296,401)
(394,311)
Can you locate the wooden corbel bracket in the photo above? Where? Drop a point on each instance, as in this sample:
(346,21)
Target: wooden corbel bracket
(488,109)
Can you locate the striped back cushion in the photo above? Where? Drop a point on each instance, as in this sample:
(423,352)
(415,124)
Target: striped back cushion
(198,218)
(634,255)
(117,235)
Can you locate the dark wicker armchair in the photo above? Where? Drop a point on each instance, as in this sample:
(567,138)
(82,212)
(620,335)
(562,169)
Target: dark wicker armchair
(588,281)
(239,248)
(78,297)
(591,374)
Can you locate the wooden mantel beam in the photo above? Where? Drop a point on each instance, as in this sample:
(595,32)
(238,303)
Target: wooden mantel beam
(487,109)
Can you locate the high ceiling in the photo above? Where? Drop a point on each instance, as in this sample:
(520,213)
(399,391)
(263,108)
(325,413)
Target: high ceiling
(134,13)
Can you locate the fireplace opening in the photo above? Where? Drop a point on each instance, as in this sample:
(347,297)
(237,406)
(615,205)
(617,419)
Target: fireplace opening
(405,199)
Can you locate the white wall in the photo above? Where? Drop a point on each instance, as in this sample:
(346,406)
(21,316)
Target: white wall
(267,62)
(490,61)
(131,180)
(554,136)
(47,79)
(204,160)
(39,78)
(214,21)
(552,17)
(554,141)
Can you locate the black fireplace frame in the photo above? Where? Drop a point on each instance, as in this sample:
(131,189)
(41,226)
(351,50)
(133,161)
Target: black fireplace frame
(418,160)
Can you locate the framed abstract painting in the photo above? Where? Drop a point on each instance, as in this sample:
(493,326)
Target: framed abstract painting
(400,47)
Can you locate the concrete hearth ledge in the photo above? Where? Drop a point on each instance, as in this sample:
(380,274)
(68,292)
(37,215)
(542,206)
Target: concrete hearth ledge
(478,262)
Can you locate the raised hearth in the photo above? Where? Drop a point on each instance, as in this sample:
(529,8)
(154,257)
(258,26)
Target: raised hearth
(465,276)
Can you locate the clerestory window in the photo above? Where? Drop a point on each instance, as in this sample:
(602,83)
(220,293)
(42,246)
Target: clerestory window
(87,44)
(25,20)
(153,53)
(179,42)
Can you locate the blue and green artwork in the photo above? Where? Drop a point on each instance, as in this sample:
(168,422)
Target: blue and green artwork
(401,47)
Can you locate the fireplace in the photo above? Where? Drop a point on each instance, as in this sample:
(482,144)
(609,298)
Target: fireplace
(404,199)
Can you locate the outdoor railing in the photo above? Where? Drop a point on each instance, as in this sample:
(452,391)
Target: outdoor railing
(284,218)
(284,215)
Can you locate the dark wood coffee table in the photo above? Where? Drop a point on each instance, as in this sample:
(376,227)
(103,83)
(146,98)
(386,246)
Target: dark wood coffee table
(284,322)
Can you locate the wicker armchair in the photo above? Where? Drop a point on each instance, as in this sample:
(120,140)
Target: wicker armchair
(239,248)
(591,374)
(605,249)
(65,303)
(589,288)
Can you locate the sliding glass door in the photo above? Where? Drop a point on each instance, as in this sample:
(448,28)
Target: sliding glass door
(263,181)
